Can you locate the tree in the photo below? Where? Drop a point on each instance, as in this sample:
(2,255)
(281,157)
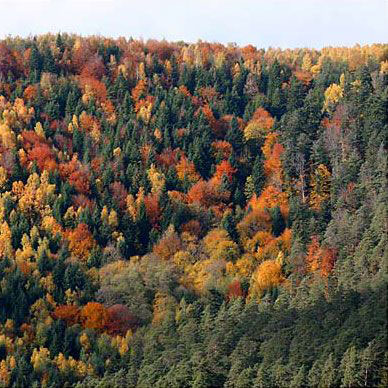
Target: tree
(35,62)
(142,226)
(187,169)
(43,156)
(349,368)
(329,375)
(235,290)
(223,169)
(234,135)
(229,224)
(333,94)
(368,358)
(320,184)
(299,379)
(69,313)
(268,275)
(94,316)
(219,246)
(81,241)
(314,375)
(258,176)
(120,319)
(168,245)
(259,126)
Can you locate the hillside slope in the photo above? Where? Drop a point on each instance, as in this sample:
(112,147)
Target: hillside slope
(176,215)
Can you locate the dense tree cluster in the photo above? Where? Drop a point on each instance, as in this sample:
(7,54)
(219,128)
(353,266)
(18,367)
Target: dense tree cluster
(192,215)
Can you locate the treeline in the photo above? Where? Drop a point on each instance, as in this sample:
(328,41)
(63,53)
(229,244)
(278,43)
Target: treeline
(200,215)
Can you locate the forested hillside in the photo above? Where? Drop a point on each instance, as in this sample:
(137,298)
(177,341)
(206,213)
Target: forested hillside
(192,215)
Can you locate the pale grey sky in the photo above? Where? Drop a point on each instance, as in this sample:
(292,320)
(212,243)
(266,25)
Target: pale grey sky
(263,23)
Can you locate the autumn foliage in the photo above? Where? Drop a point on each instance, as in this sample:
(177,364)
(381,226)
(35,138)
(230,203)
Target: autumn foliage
(80,241)
(320,259)
(69,313)
(191,192)
(267,276)
(235,290)
(94,316)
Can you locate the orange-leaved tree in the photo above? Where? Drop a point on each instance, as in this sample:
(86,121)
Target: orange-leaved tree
(223,169)
(320,259)
(94,316)
(81,241)
(69,313)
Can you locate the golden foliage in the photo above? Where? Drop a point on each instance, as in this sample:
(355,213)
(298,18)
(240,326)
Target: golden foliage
(384,67)
(320,186)
(113,220)
(5,241)
(39,130)
(40,358)
(186,168)
(7,136)
(3,177)
(160,306)
(50,224)
(5,373)
(306,62)
(259,126)
(199,274)
(243,267)
(332,96)
(156,178)
(267,275)
(65,365)
(219,245)
(36,194)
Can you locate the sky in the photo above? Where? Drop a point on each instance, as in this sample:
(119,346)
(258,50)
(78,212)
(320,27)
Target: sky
(263,23)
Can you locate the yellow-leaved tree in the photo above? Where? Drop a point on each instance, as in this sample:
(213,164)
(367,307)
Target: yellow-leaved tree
(5,240)
(259,126)
(219,245)
(320,186)
(267,275)
(3,177)
(306,62)
(333,95)
(156,178)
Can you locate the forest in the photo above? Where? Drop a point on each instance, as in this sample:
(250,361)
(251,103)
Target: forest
(192,215)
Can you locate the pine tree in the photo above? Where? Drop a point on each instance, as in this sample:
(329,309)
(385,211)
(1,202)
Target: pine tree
(349,368)
(329,373)
(368,365)
(229,224)
(299,379)
(234,135)
(263,378)
(258,176)
(314,375)
(35,62)
(278,222)
(49,61)
(143,228)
